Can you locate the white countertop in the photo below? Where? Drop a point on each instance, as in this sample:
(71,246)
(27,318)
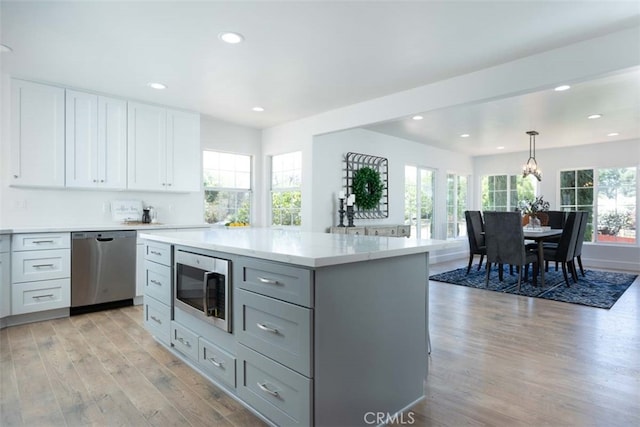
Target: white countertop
(96,227)
(298,247)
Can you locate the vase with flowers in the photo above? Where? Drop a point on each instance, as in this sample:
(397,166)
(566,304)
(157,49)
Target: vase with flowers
(535,209)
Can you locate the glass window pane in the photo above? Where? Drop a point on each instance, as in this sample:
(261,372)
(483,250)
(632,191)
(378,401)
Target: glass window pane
(567,179)
(585,178)
(501,182)
(568,197)
(585,196)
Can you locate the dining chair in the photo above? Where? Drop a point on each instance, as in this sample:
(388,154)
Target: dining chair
(505,244)
(475,227)
(556,219)
(577,254)
(564,250)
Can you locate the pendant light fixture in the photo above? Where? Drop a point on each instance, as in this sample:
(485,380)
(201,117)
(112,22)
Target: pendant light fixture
(531,167)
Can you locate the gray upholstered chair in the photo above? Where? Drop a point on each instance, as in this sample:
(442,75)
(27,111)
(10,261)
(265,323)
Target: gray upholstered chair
(505,243)
(475,227)
(565,249)
(556,219)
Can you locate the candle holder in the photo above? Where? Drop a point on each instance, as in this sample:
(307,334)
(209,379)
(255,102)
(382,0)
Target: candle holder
(341,212)
(350,215)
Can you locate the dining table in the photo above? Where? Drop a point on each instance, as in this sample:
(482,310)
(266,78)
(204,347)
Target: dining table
(540,236)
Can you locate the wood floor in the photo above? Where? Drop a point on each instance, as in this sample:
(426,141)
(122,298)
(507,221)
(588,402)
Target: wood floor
(497,360)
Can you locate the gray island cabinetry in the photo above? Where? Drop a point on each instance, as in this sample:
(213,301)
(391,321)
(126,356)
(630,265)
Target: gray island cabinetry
(325,329)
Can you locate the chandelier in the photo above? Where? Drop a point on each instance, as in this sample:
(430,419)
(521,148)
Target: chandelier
(531,167)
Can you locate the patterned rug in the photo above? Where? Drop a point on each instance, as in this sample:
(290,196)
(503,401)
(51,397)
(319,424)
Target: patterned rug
(599,289)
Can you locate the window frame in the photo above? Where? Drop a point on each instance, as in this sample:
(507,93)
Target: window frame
(418,199)
(459,222)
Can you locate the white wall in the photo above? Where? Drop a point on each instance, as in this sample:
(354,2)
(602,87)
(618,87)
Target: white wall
(328,161)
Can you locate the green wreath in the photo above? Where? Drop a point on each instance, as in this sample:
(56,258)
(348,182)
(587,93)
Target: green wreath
(367,188)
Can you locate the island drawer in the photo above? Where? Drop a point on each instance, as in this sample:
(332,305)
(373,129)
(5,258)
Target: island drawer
(277,329)
(183,340)
(38,296)
(280,394)
(284,282)
(382,230)
(40,241)
(157,281)
(157,319)
(158,252)
(31,266)
(217,362)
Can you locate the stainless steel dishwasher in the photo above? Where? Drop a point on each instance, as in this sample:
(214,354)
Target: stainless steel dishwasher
(103,270)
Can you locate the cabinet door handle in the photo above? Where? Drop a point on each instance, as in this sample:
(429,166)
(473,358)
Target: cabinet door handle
(268,281)
(155,319)
(169,184)
(95,180)
(42,265)
(155,282)
(184,342)
(266,328)
(264,388)
(37,242)
(155,253)
(42,296)
(215,363)
(15,176)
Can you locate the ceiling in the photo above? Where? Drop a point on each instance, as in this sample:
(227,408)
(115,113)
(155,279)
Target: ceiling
(301,58)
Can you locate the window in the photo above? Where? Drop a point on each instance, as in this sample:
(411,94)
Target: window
(456,205)
(227,187)
(505,192)
(609,195)
(576,194)
(418,201)
(286,178)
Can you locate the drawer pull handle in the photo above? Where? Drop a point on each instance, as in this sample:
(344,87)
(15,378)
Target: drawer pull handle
(155,253)
(215,363)
(266,328)
(42,265)
(264,388)
(155,282)
(155,319)
(42,296)
(184,342)
(268,281)
(37,242)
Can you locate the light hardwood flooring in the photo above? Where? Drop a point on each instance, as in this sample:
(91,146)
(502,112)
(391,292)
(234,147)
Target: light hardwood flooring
(497,360)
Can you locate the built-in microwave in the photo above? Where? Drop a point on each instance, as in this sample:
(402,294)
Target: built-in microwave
(202,287)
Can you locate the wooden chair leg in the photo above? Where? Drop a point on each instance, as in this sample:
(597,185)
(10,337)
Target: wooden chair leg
(536,268)
(500,271)
(482,257)
(470,262)
(574,272)
(486,282)
(511,269)
(546,266)
(564,273)
(519,278)
(580,264)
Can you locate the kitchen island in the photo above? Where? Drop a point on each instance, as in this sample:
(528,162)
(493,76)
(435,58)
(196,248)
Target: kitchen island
(326,329)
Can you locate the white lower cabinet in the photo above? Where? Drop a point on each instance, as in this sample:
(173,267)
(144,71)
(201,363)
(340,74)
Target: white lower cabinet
(184,340)
(157,319)
(156,257)
(40,272)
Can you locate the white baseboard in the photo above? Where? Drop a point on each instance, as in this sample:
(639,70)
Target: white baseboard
(609,264)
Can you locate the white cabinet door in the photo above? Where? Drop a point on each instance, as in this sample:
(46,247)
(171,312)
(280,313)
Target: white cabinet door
(140,270)
(112,143)
(37,134)
(96,141)
(184,167)
(81,139)
(147,132)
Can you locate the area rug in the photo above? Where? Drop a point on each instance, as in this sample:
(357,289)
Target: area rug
(599,289)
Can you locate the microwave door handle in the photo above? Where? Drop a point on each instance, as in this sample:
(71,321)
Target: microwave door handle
(207,277)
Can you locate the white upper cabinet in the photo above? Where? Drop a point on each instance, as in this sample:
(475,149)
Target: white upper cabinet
(96,141)
(163,149)
(183,151)
(37,134)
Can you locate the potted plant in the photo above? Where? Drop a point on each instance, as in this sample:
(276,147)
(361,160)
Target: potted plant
(533,209)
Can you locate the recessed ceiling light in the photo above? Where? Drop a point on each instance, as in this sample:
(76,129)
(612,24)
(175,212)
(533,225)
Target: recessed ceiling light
(500,147)
(158,86)
(258,109)
(4,48)
(613,134)
(594,116)
(231,38)
(417,117)
(465,135)
(562,87)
